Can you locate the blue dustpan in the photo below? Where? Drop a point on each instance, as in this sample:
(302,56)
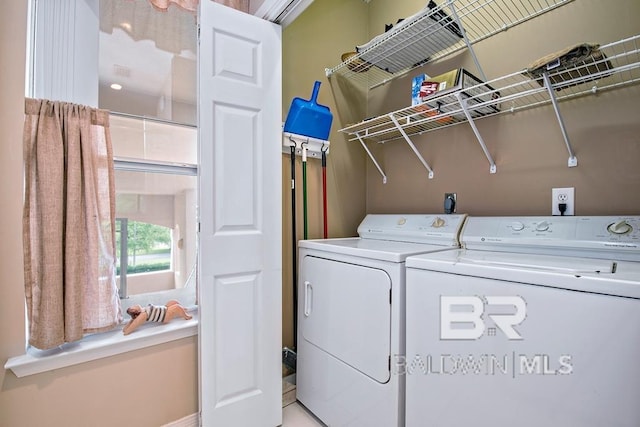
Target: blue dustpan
(308,118)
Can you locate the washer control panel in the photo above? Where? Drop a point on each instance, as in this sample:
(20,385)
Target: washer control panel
(568,234)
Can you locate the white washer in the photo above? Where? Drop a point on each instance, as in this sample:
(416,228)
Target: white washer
(351,316)
(535,322)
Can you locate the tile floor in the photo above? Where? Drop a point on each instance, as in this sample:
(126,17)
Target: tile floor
(294,414)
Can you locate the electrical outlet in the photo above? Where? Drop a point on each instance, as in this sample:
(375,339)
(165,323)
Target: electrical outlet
(562,195)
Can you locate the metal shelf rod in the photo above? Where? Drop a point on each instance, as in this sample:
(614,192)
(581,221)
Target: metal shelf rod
(373,159)
(573,161)
(463,104)
(454,13)
(413,147)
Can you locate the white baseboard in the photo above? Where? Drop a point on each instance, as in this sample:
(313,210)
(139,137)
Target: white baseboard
(192,420)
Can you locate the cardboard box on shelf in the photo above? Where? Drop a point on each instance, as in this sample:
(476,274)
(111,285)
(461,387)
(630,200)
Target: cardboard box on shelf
(416,83)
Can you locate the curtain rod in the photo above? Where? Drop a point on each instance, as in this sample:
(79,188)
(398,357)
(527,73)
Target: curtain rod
(152,119)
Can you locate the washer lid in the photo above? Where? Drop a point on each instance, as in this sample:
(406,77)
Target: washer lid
(382,250)
(619,278)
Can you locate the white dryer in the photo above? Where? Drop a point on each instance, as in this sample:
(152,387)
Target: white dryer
(351,316)
(534,322)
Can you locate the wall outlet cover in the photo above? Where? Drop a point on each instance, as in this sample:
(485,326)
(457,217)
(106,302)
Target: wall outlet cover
(563,195)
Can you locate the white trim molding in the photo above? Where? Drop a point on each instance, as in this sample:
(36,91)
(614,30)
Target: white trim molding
(192,420)
(282,12)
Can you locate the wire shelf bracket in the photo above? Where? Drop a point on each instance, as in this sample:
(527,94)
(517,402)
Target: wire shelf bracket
(468,44)
(467,113)
(573,161)
(412,145)
(373,159)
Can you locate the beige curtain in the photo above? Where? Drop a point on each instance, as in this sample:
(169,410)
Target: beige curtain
(192,5)
(68,223)
(171,31)
(169,27)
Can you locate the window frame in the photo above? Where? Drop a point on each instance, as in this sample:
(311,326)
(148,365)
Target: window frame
(106,344)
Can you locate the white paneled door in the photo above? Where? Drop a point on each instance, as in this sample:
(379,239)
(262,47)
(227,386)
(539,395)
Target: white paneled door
(239,122)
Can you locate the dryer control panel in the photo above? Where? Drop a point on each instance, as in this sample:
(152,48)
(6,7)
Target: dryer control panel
(609,237)
(415,228)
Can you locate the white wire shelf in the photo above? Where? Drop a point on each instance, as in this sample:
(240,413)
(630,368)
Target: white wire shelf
(436,32)
(619,67)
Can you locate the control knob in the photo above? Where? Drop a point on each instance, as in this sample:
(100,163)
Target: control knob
(517,226)
(620,227)
(542,226)
(438,222)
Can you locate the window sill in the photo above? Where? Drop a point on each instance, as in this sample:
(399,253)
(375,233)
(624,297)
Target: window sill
(98,346)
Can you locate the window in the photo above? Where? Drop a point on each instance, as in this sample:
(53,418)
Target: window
(141,247)
(147,79)
(156,203)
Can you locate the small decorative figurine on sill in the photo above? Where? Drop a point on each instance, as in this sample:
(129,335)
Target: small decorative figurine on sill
(153,313)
